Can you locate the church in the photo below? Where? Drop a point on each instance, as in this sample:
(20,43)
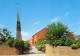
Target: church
(37,36)
(34,38)
(18,35)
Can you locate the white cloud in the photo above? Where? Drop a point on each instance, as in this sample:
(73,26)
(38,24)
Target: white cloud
(66,14)
(1,25)
(24,34)
(55,19)
(35,23)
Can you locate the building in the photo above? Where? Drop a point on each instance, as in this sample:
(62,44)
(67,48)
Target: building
(37,36)
(18,35)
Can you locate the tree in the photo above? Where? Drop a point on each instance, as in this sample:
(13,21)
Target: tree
(5,34)
(55,32)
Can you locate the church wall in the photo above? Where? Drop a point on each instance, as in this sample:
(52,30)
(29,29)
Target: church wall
(30,41)
(37,36)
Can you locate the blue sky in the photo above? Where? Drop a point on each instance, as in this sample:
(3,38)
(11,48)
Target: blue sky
(37,14)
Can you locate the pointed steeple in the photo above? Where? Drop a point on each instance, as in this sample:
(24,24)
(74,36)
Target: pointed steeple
(18,35)
(18,15)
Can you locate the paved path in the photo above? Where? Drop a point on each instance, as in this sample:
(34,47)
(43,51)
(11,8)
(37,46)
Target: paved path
(34,55)
(34,52)
(26,55)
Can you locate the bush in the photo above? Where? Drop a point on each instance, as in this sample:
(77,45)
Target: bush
(18,43)
(26,44)
(56,43)
(67,41)
(75,46)
(9,42)
(40,44)
(64,41)
(14,42)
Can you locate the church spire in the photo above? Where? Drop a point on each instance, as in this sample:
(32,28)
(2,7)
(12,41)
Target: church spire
(18,35)
(18,12)
(18,19)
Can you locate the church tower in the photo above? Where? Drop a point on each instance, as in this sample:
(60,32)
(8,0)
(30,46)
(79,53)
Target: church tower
(18,35)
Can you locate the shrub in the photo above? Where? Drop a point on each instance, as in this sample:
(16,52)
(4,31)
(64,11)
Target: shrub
(75,46)
(64,41)
(56,43)
(40,44)
(9,42)
(67,41)
(18,43)
(14,42)
(26,44)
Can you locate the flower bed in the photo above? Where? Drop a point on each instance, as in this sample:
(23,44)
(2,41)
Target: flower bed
(61,51)
(8,50)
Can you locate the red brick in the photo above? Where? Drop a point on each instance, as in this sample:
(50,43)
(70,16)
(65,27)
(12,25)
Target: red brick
(37,36)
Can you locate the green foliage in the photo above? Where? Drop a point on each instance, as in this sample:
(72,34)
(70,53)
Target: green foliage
(76,44)
(14,42)
(56,43)
(63,41)
(40,44)
(58,35)
(18,43)
(5,35)
(67,41)
(9,42)
(56,31)
(3,40)
(26,47)
(26,44)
